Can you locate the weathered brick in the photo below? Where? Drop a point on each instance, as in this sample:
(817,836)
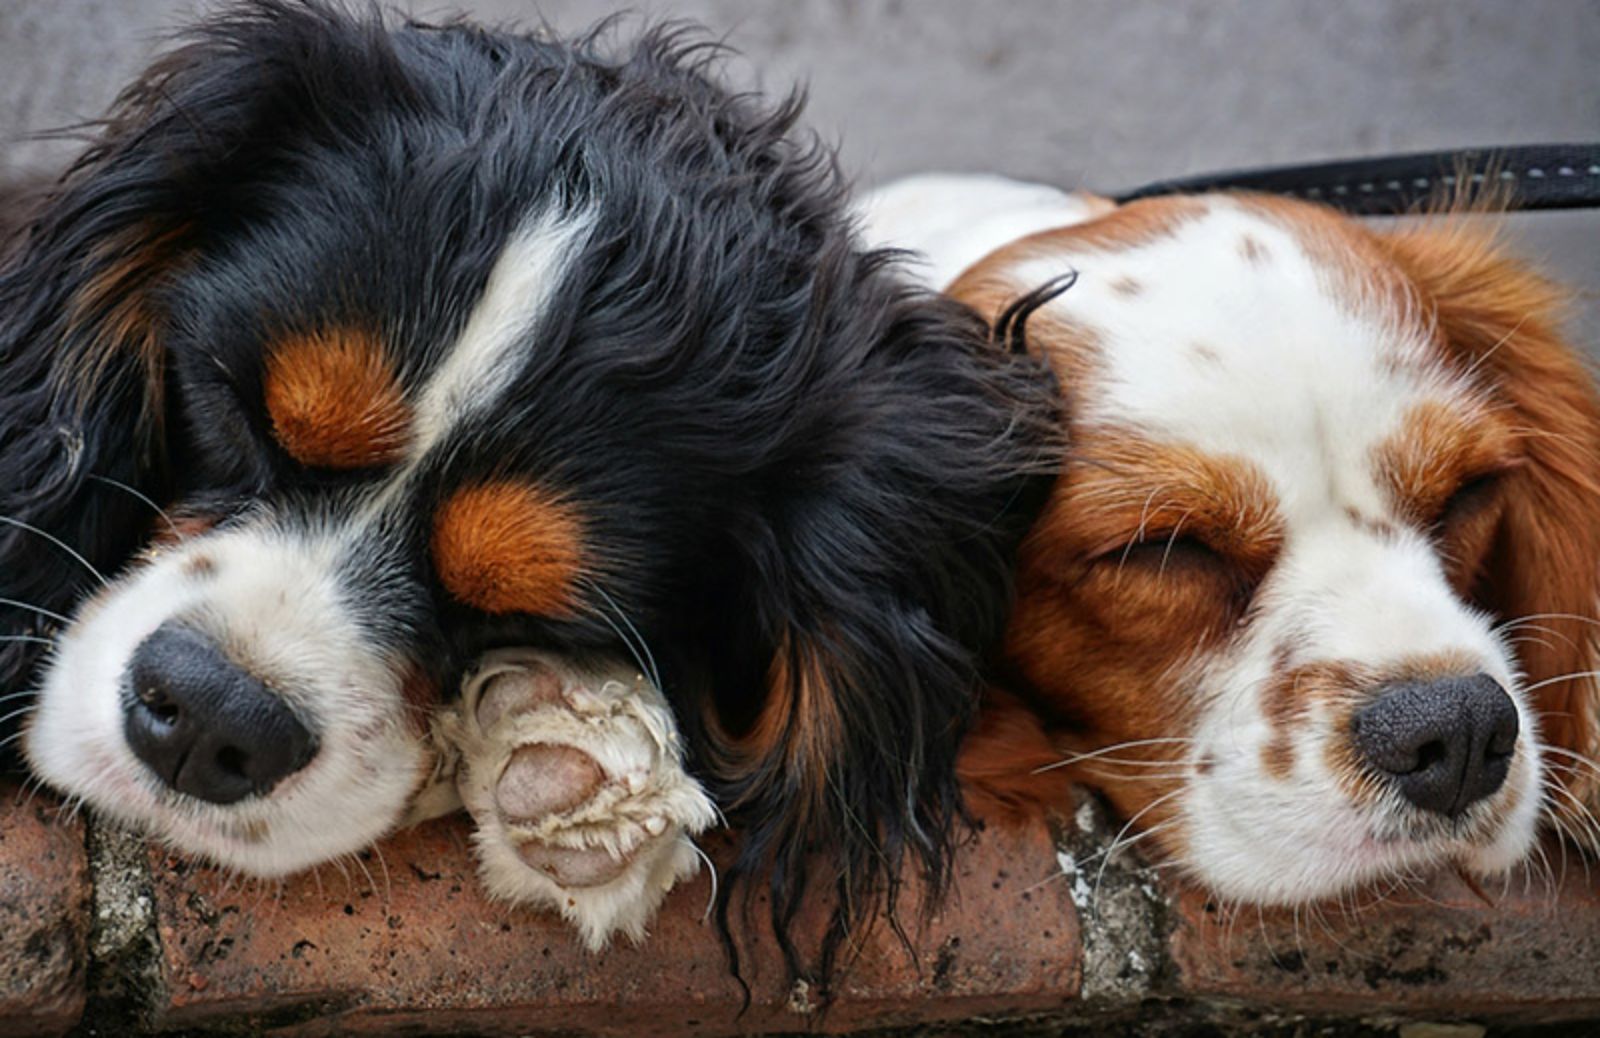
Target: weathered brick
(1530,952)
(404,940)
(44,915)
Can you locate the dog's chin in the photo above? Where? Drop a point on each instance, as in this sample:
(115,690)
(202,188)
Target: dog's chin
(1249,851)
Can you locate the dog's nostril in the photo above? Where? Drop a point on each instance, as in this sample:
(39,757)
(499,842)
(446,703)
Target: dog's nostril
(159,705)
(1444,744)
(232,760)
(1428,755)
(203,725)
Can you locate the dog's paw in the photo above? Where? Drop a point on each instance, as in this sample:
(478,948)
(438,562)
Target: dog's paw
(575,779)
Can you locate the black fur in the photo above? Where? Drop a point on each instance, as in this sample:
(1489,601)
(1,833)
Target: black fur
(779,447)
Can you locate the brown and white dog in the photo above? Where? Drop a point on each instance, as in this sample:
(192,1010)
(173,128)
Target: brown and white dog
(1313,599)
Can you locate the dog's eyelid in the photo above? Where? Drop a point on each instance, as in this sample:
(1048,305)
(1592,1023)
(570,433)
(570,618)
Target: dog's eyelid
(1473,492)
(1158,541)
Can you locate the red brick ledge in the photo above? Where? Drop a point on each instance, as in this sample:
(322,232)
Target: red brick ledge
(44,915)
(401,941)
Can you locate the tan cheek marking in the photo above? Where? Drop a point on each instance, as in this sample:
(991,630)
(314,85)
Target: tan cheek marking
(334,400)
(1287,700)
(509,548)
(1338,689)
(1126,286)
(1104,647)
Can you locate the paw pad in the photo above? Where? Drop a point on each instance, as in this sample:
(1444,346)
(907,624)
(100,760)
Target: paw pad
(546,780)
(574,867)
(575,778)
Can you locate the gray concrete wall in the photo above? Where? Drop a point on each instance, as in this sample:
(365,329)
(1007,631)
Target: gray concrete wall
(1097,93)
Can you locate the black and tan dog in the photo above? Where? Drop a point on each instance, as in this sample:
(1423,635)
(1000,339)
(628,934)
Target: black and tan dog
(454,356)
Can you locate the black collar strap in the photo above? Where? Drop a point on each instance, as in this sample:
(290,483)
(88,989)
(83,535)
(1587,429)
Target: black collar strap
(1538,176)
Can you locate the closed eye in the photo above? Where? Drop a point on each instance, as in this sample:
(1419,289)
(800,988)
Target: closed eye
(1161,552)
(1184,564)
(1470,500)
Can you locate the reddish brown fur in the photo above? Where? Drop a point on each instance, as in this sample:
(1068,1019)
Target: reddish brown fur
(335,401)
(510,548)
(799,714)
(113,313)
(1425,465)
(1436,450)
(1126,227)
(1009,766)
(1500,319)
(1081,633)
(1104,639)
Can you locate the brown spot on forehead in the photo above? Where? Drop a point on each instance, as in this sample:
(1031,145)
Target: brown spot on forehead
(1377,527)
(335,401)
(1072,348)
(1357,271)
(1252,250)
(199,566)
(510,547)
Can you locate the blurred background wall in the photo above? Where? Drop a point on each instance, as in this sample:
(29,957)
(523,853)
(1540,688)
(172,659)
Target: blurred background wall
(1098,93)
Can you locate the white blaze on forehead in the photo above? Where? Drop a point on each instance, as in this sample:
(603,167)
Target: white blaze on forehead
(1226,335)
(484,359)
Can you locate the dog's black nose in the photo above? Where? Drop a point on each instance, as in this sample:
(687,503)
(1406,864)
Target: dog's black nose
(1446,744)
(205,726)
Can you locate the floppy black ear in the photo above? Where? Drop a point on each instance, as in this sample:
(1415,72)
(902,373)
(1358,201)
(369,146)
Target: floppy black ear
(81,389)
(888,577)
(85,398)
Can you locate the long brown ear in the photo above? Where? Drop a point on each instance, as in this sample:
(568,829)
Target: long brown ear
(1008,768)
(1504,320)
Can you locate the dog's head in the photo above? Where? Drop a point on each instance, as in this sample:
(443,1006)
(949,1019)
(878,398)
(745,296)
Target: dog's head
(350,353)
(1312,599)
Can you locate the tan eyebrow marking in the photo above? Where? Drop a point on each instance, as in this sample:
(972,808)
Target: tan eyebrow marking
(1437,445)
(510,547)
(334,399)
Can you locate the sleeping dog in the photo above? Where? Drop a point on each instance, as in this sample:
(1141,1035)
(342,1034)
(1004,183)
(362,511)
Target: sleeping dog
(355,365)
(1313,600)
